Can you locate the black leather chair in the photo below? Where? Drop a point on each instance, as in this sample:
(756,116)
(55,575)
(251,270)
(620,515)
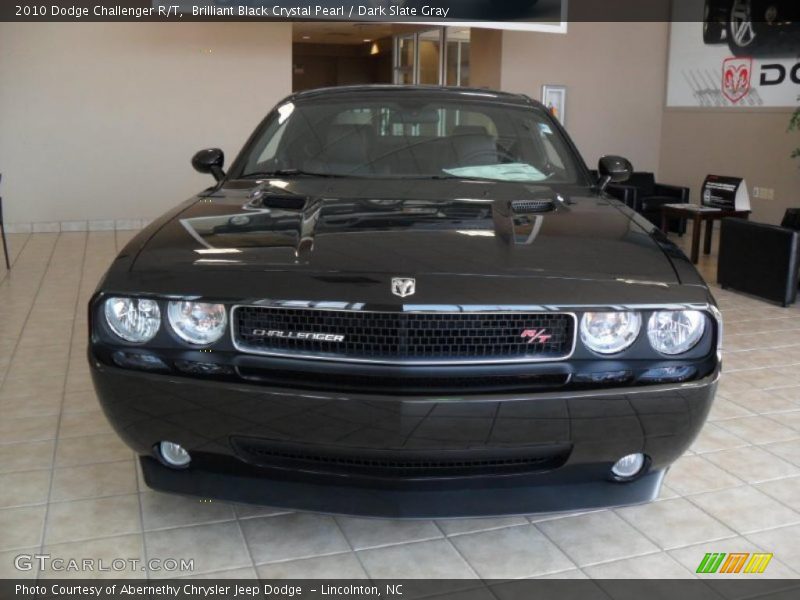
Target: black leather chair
(791,219)
(645,196)
(650,196)
(759,259)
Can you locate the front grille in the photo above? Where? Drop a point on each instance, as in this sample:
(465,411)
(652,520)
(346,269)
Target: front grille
(404,337)
(399,463)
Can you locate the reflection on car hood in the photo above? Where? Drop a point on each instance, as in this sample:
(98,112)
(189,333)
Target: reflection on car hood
(405,227)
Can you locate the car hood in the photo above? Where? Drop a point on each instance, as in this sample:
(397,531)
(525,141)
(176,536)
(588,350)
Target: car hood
(331,226)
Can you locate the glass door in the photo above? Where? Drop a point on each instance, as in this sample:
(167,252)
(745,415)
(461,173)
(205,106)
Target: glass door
(458,57)
(405,59)
(436,57)
(430,45)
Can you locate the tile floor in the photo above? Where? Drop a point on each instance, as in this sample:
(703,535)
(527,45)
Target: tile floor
(69,487)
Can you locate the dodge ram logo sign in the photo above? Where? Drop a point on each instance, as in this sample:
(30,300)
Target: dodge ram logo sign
(403,287)
(736,74)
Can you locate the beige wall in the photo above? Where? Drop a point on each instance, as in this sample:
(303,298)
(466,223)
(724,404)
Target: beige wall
(485,58)
(325,65)
(742,143)
(99,121)
(615,75)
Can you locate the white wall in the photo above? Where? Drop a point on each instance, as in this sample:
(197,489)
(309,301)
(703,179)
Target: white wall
(99,121)
(615,75)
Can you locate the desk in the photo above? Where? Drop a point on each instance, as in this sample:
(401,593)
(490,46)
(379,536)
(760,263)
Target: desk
(698,217)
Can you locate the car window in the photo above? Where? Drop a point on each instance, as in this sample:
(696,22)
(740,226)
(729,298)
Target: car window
(271,144)
(415,138)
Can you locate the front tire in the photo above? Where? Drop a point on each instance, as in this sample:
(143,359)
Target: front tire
(741,33)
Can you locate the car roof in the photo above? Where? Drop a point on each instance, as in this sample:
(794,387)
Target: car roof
(359,91)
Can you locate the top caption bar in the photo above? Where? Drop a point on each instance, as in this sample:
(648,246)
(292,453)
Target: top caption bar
(514,13)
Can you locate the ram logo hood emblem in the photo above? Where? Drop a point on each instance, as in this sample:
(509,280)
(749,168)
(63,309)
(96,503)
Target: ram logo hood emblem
(404,286)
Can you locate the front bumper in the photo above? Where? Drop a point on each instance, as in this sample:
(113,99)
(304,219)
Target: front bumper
(579,434)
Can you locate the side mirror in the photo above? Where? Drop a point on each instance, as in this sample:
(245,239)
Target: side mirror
(613,169)
(210,161)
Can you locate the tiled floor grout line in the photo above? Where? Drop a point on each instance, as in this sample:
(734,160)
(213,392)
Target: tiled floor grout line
(381,546)
(739,533)
(747,484)
(627,557)
(352,547)
(17,343)
(64,386)
(484,530)
(28,314)
(142,532)
(245,540)
(617,511)
(556,544)
(13,259)
(457,551)
(283,561)
(658,550)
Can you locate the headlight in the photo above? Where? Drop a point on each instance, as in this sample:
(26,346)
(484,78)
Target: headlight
(610,332)
(197,322)
(675,331)
(133,319)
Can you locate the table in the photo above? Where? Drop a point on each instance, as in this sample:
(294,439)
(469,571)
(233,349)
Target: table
(698,216)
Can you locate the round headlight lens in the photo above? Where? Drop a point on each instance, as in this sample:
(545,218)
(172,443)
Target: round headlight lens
(610,332)
(675,331)
(135,320)
(197,322)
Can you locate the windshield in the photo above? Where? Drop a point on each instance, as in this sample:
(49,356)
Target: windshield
(416,137)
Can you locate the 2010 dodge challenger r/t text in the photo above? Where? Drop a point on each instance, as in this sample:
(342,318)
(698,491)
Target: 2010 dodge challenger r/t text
(406,302)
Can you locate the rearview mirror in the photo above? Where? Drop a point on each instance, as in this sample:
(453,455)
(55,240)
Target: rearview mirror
(210,160)
(614,169)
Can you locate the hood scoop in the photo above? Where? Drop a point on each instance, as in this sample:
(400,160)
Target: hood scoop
(532,207)
(266,196)
(283,201)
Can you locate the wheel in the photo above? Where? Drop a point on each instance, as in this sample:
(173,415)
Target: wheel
(741,33)
(713,24)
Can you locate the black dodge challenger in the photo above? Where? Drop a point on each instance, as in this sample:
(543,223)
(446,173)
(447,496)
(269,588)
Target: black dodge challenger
(406,302)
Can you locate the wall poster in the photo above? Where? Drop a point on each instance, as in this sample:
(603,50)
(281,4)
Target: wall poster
(726,53)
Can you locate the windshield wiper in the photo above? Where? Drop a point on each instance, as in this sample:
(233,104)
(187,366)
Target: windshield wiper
(296,173)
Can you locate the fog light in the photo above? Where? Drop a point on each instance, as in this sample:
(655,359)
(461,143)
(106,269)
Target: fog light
(174,455)
(138,360)
(628,467)
(668,374)
(202,368)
